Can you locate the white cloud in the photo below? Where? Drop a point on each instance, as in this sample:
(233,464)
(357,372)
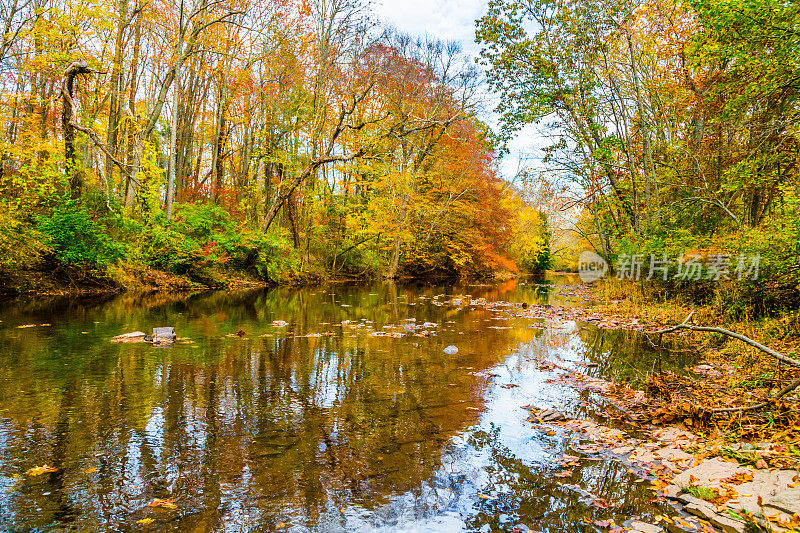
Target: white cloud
(454,20)
(444,19)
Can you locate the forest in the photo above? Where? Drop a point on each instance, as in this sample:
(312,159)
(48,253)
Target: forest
(290,140)
(672,131)
(265,265)
(266,140)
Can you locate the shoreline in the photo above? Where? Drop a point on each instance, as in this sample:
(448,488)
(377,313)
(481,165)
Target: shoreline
(136,279)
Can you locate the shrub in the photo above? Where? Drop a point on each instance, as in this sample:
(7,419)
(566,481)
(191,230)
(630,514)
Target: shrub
(75,239)
(269,255)
(20,244)
(203,221)
(164,248)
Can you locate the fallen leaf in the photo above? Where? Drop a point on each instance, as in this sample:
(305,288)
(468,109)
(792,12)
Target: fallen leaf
(738,479)
(166,504)
(39,470)
(145,521)
(600,503)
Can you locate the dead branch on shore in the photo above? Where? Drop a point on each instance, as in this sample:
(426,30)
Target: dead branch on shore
(686,324)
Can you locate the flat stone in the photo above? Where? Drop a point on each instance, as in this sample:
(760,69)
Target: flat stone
(551,415)
(132,335)
(644,527)
(671,453)
(706,512)
(688,499)
(672,492)
(641,456)
(164,335)
(622,450)
(710,473)
(773,487)
(673,527)
(673,434)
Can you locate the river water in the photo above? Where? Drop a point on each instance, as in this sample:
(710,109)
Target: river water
(351,417)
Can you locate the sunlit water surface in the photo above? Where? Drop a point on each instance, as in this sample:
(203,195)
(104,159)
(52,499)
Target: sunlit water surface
(275,430)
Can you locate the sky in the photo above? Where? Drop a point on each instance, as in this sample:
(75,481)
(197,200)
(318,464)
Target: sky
(454,20)
(444,19)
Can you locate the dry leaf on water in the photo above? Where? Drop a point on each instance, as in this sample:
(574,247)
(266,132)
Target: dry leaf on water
(166,504)
(38,470)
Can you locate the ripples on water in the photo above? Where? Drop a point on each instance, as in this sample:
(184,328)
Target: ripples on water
(343,432)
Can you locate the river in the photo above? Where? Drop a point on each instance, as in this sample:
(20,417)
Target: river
(351,417)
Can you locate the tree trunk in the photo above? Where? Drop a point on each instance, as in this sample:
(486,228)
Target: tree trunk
(70,132)
(173,153)
(114,101)
(134,160)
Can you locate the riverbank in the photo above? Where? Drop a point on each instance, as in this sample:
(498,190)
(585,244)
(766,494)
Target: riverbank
(734,471)
(132,278)
(115,279)
(693,437)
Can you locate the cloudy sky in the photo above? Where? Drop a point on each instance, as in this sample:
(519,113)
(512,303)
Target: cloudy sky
(454,20)
(444,19)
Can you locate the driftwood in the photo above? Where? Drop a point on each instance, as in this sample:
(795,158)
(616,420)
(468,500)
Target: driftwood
(686,324)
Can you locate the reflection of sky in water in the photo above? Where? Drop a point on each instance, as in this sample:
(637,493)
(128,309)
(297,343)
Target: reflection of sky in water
(320,433)
(450,498)
(444,502)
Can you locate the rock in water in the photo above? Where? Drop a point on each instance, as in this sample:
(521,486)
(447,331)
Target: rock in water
(135,336)
(163,335)
(551,415)
(451,350)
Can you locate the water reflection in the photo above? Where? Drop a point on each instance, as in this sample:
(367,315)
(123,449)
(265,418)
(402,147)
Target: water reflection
(342,431)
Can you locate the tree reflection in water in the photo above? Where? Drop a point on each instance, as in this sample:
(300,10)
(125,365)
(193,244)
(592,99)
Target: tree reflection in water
(341,431)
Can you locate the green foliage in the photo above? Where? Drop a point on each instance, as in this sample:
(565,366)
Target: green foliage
(162,247)
(75,239)
(203,221)
(190,242)
(203,238)
(20,244)
(704,493)
(270,255)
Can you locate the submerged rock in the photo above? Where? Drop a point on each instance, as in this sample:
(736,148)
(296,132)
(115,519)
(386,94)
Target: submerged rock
(451,350)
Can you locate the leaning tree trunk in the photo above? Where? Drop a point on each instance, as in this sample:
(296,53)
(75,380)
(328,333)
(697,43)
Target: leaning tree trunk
(67,123)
